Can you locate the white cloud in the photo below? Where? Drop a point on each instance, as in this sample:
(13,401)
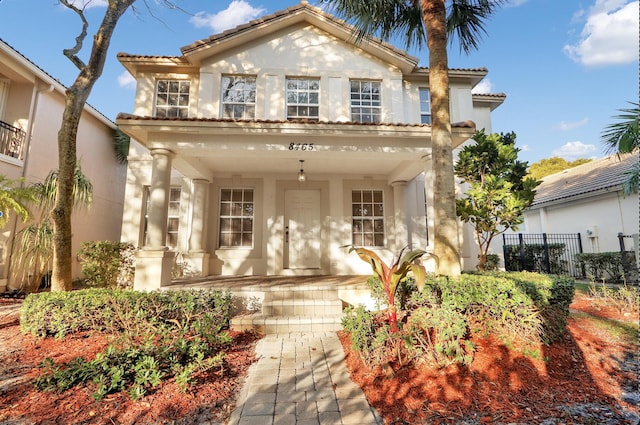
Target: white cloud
(126,80)
(566,126)
(574,150)
(238,12)
(483,87)
(515,3)
(609,35)
(88,4)
(525,148)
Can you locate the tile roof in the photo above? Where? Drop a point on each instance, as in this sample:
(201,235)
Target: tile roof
(125,116)
(604,174)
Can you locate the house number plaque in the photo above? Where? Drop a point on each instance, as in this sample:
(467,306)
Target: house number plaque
(301,146)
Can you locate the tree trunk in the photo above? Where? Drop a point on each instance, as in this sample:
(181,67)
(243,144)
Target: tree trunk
(76,98)
(446,244)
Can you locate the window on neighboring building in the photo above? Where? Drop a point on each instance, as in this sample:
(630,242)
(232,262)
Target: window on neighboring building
(172,99)
(425,106)
(365,101)
(368,218)
(238,97)
(236,218)
(173,216)
(303,97)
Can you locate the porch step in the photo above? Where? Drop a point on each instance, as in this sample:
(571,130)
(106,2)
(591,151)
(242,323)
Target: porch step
(314,308)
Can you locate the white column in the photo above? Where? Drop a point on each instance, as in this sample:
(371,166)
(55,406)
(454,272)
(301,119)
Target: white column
(198,211)
(158,200)
(400,216)
(428,189)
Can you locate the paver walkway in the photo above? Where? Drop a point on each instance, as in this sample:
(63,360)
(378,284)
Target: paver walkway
(301,378)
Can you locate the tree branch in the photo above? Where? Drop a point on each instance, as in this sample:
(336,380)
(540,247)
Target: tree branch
(72,53)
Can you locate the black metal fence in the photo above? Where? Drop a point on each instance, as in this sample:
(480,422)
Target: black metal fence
(543,253)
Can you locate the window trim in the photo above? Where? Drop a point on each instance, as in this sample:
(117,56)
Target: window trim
(168,106)
(220,244)
(245,104)
(362,102)
(425,115)
(373,217)
(308,104)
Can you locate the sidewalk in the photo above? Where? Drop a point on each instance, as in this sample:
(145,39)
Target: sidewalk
(301,378)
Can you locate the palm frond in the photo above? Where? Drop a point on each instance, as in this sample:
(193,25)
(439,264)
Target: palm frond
(466,20)
(14,197)
(121,143)
(623,136)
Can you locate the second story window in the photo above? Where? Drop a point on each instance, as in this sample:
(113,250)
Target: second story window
(303,97)
(172,99)
(238,97)
(365,101)
(425,106)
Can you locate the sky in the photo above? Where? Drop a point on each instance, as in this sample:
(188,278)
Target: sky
(567,67)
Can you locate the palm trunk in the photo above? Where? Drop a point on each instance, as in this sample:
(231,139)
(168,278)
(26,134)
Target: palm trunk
(446,244)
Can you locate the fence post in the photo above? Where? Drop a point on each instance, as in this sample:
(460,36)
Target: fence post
(583,270)
(621,241)
(521,246)
(545,257)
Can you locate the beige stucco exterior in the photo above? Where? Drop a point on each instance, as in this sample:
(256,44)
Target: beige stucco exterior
(209,153)
(32,101)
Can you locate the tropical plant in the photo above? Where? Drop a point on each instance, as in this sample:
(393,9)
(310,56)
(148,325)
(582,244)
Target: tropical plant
(624,137)
(390,276)
(547,166)
(430,21)
(14,197)
(499,191)
(34,250)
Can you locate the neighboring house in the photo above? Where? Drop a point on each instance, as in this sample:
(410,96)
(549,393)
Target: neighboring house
(31,107)
(275,144)
(588,199)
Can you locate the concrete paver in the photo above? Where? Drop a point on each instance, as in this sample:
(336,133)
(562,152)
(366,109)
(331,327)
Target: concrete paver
(301,378)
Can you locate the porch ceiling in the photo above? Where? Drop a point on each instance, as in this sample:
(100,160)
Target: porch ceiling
(205,148)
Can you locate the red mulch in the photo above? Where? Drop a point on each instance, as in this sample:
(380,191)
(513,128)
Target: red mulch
(505,386)
(501,385)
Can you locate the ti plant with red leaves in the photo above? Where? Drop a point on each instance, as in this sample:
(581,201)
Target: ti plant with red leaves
(391,275)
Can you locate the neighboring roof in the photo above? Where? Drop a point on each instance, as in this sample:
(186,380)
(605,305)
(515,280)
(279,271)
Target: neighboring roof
(595,177)
(48,79)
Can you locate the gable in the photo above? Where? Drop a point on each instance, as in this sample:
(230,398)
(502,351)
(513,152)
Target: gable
(295,16)
(299,50)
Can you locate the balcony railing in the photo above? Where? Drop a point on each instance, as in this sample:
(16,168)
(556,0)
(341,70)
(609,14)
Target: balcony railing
(12,141)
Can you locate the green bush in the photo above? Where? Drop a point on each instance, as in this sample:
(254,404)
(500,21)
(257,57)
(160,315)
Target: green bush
(534,258)
(156,336)
(520,307)
(108,264)
(596,265)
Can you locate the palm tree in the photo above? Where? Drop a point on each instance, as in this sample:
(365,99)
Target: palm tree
(34,250)
(14,197)
(623,137)
(418,21)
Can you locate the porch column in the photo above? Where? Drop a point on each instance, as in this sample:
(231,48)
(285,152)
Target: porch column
(400,216)
(198,258)
(428,189)
(154,261)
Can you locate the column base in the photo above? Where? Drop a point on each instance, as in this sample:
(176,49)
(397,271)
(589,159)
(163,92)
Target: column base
(195,264)
(153,270)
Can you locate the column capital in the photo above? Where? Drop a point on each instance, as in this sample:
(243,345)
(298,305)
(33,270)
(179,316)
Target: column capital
(162,151)
(399,183)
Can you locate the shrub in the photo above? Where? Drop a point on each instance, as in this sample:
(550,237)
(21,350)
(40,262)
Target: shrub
(157,335)
(108,264)
(597,264)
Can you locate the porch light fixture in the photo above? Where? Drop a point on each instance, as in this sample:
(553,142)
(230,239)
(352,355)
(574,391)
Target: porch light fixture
(301,176)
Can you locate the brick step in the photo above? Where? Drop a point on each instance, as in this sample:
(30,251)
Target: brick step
(286,324)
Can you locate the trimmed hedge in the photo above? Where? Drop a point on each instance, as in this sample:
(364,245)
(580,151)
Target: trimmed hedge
(60,313)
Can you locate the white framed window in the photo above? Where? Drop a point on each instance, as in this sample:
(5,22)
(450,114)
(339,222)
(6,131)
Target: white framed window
(172,98)
(173,215)
(303,98)
(236,218)
(238,97)
(365,101)
(367,208)
(425,106)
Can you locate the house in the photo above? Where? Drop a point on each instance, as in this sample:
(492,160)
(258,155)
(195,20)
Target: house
(589,200)
(31,107)
(273,145)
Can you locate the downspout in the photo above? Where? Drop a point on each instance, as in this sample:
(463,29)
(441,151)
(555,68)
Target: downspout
(38,88)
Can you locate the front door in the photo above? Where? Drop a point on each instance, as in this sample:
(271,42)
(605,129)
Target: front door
(302,229)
